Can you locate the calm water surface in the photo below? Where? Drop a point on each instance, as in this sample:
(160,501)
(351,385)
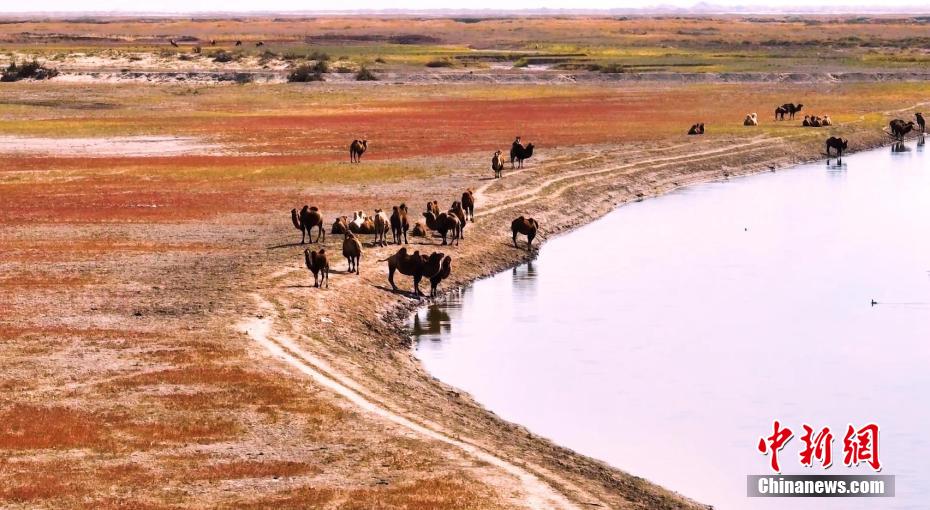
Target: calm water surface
(666,337)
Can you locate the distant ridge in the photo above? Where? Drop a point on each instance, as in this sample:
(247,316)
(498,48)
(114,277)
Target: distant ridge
(698,9)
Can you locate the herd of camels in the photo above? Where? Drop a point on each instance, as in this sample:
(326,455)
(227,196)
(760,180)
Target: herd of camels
(450,224)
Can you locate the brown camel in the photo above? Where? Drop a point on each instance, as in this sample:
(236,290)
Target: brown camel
(418,230)
(921,123)
(308,218)
(497,164)
(416,265)
(459,212)
(528,227)
(318,265)
(697,129)
(382,227)
(340,226)
(900,129)
(444,271)
(837,144)
(352,251)
(356,149)
(444,224)
(433,207)
(399,223)
(468,203)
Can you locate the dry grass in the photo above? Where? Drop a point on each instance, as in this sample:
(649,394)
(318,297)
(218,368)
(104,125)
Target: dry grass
(27,427)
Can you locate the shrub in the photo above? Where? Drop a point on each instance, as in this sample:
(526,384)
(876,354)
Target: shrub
(305,73)
(364,74)
(28,70)
(223,57)
(442,62)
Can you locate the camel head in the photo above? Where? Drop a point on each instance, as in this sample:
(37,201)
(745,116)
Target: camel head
(365,144)
(845,143)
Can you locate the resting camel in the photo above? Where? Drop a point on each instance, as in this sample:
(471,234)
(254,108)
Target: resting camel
(238,43)
(837,144)
(259,44)
(308,218)
(697,129)
(445,224)
(807,121)
(457,211)
(340,226)
(418,230)
(356,149)
(899,128)
(497,164)
(444,271)
(318,265)
(399,223)
(825,121)
(416,265)
(519,153)
(382,227)
(751,120)
(468,203)
(921,123)
(352,251)
(528,227)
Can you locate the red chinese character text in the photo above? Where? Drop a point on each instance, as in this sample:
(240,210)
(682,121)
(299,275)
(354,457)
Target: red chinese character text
(862,446)
(819,446)
(774,443)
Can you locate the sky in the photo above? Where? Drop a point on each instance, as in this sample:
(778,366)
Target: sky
(186,6)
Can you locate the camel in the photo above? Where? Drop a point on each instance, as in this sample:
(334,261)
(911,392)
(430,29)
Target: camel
(457,211)
(416,265)
(826,121)
(838,144)
(358,218)
(433,207)
(340,226)
(212,42)
(519,153)
(468,203)
(780,113)
(921,123)
(792,109)
(382,226)
(259,44)
(399,223)
(444,271)
(238,43)
(308,218)
(352,251)
(697,129)
(807,121)
(356,149)
(318,265)
(444,224)
(497,164)
(899,128)
(528,227)
(751,120)
(173,43)
(418,230)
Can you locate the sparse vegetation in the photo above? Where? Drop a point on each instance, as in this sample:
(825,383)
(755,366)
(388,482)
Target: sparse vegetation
(306,73)
(27,71)
(223,57)
(364,74)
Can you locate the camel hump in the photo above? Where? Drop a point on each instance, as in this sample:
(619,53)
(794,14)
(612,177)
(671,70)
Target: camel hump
(314,209)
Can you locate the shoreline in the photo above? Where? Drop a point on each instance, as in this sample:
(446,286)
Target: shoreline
(578,477)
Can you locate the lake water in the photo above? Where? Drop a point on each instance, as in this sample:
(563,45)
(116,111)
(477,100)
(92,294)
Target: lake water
(665,338)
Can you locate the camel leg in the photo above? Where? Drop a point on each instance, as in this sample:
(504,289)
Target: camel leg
(529,242)
(391,278)
(326,275)
(322,235)
(416,286)
(358,261)
(514,238)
